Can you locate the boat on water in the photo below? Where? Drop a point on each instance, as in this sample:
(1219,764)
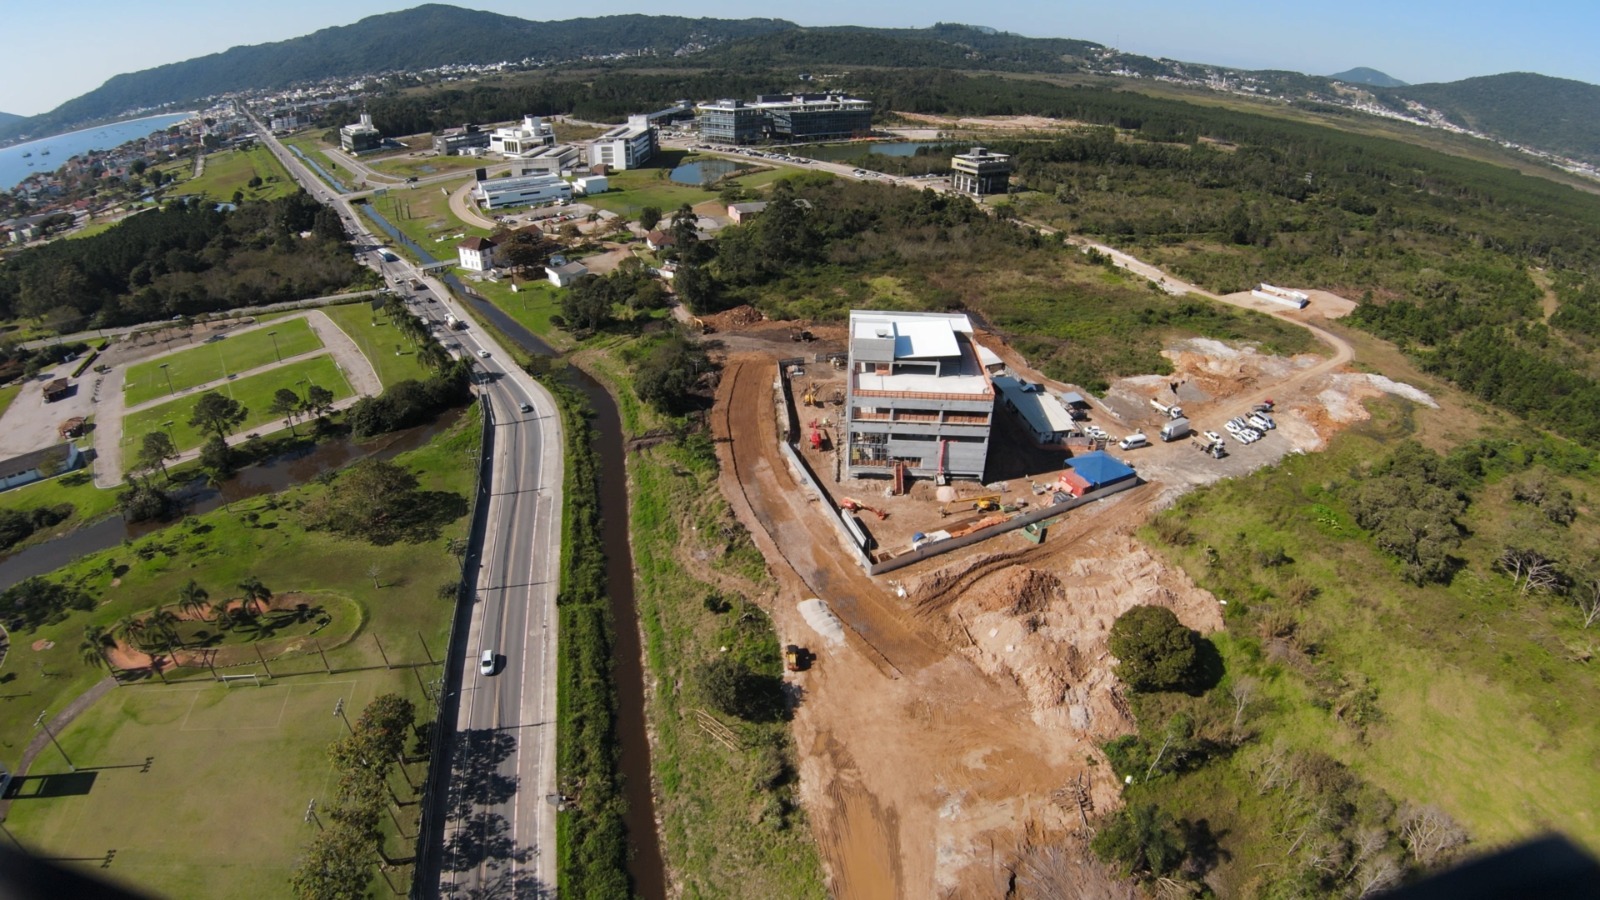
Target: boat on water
(28,154)
(44,152)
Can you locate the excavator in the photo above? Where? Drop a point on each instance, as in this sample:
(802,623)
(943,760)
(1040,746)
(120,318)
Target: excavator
(854,505)
(983,503)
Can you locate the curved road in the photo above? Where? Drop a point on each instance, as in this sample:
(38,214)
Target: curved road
(499,831)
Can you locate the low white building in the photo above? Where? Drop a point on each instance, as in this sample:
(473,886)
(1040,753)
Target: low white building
(626,146)
(553,160)
(519,141)
(594,184)
(566,273)
(1040,415)
(476,254)
(521,190)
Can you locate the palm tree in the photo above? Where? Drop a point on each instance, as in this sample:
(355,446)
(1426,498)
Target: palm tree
(164,621)
(255,592)
(93,648)
(130,629)
(192,597)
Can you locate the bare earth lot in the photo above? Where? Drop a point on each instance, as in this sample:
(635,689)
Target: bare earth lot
(942,745)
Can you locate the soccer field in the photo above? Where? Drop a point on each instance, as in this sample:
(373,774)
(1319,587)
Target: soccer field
(255,393)
(200,790)
(210,361)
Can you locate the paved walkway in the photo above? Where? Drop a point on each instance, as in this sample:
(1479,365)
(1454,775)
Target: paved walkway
(111,408)
(58,724)
(463,210)
(309,302)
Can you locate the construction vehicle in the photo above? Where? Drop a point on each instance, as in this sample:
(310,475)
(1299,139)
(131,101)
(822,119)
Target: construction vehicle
(854,505)
(796,658)
(802,337)
(818,436)
(809,398)
(1175,430)
(982,503)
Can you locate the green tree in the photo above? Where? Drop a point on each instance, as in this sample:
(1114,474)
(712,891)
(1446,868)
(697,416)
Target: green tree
(1142,840)
(666,378)
(1155,652)
(286,403)
(217,456)
(218,413)
(696,288)
(319,400)
(733,689)
(155,449)
(373,500)
(649,217)
(92,649)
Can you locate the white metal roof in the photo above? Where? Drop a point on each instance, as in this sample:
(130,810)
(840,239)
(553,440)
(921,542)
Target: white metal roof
(916,335)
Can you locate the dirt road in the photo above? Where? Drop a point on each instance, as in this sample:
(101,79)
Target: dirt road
(923,775)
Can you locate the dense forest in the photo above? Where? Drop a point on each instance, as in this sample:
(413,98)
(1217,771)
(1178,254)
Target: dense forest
(186,258)
(1555,114)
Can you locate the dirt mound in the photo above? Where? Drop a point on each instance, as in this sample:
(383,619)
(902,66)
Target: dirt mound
(738,317)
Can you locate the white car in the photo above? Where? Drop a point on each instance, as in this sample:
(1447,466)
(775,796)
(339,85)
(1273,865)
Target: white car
(1213,436)
(483,353)
(527,407)
(1262,421)
(486,662)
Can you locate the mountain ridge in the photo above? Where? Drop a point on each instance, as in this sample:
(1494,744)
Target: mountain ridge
(1368,76)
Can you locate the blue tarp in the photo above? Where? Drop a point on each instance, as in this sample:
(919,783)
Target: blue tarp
(1099,468)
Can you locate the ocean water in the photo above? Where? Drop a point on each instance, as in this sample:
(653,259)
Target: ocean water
(14,166)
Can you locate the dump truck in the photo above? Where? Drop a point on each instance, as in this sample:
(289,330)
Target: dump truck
(1175,430)
(796,658)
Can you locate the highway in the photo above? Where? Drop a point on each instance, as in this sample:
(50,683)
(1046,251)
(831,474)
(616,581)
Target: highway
(499,832)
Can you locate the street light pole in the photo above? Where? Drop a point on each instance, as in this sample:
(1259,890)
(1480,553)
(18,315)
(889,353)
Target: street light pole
(40,723)
(338,710)
(170,389)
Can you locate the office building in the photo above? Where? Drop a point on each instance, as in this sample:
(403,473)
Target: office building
(458,141)
(917,396)
(551,160)
(626,146)
(521,190)
(519,141)
(978,172)
(361,137)
(785,117)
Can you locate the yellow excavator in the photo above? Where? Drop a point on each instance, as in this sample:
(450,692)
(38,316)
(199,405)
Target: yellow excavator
(983,503)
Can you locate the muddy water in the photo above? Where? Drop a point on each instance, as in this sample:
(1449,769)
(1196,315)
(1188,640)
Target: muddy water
(295,467)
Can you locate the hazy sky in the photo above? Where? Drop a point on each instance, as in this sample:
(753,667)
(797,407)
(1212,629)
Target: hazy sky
(57,51)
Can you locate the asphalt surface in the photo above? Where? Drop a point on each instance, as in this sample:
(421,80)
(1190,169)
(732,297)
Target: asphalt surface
(498,829)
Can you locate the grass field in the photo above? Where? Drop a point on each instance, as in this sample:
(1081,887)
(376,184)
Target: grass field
(423,214)
(147,381)
(8,395)
(313,147)
(634,189)
(230,171)
(77,488)
(532,305)
(200,791)
(378,339)
(219,813)
(406,166)
(255,393)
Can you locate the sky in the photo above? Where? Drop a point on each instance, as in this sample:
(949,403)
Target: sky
(84,42)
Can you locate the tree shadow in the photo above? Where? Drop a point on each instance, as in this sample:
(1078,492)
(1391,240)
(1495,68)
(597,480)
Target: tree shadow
(1208,667)
(503,884)
(482,837)
(1203,847)
(474,777)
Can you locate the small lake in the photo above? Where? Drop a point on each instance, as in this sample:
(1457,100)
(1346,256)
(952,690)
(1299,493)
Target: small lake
(836,152)
(706,170)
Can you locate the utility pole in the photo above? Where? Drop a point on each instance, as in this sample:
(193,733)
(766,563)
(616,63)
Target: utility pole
(338,710)
(41,723)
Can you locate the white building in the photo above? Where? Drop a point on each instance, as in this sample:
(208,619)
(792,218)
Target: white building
(566,273)
(594,184)
(476,254)
(523,140)
(521,190)
(1039,414)
(554,159)
(626,146)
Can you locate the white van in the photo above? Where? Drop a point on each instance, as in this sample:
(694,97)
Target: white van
(1133,441)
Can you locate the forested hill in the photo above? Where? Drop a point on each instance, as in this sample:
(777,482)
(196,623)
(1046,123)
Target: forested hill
(7,118)
(1364,75)
(942,46)
(420,38)
(1554,114)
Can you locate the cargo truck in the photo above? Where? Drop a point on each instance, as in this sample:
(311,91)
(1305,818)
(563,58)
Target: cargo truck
(1176,430)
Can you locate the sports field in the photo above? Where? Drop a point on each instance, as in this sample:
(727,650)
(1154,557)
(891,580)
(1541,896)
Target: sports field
(215,359)
(200,790)
(255,393)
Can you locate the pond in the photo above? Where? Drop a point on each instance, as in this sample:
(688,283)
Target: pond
(705,170)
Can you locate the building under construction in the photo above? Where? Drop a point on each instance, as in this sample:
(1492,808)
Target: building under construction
(918,399)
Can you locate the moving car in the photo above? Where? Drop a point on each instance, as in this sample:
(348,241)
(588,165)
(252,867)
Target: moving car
(527,407)
(483,353)
(486,663)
